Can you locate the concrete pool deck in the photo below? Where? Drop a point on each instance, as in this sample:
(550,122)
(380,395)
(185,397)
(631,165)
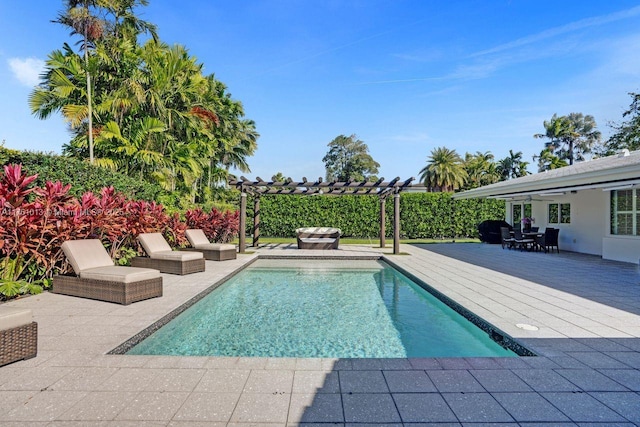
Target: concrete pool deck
(587,372)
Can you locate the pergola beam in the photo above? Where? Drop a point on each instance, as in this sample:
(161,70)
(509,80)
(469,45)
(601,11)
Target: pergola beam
(379,188)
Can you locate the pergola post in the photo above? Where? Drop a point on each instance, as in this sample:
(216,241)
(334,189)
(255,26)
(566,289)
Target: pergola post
(256,221)
(383,230)
(396,223)
(243,223)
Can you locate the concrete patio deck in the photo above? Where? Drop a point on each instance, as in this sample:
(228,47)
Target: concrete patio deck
(587,372)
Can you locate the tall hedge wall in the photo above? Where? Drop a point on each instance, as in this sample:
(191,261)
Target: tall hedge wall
(423,215)
(82,176)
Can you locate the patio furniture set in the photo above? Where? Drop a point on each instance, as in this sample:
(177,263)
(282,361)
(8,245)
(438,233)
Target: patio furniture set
(96,277)
(530,240)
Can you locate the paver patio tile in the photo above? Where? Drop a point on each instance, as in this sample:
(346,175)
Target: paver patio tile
(425,363)
(12,399)
(223,381)
(315,408)
(369,408)
(316,382)
(454,381)
(366,364)
(625,404)
(630,378)
(423,407)
(529,407)
(395,364)
(37,378)
(262,381)
(409,382)
(629,358)
(44,406)
(99,405)
(454,363)
(590,380)
(86,378)
(175,380)
(499,380)
(545,380)
(597,360)
(362,382)
(476,407)
(581,407)
(208,407)
(262,408)
(152,405)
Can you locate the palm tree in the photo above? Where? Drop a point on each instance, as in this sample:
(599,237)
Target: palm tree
(570,136)
(444,170)
(481,169)
(547,160)
(512,166)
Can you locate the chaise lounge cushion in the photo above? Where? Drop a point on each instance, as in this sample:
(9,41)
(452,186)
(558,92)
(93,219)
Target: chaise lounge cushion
(199,240)
(12,317)
(86,254)
(157,248)
(120,274)
(176,255)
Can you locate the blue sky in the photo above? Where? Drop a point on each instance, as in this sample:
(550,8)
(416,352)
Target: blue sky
(404,76)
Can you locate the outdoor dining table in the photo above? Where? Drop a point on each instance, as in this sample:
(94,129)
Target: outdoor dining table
(534,235)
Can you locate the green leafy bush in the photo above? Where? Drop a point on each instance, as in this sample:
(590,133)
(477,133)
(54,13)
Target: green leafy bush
(422,215)
(84,177)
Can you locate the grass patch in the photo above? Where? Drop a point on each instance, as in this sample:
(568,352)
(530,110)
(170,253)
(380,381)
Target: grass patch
(356,241)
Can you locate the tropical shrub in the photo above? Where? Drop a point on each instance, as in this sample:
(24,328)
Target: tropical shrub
(218,226)
(35,221)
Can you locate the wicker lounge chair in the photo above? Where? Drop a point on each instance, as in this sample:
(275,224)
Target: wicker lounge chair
(162,258)
(211,251)
(98,278)
(318,237)
(18,335)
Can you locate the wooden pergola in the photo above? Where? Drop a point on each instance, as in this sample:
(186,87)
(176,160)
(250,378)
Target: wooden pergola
(380,188)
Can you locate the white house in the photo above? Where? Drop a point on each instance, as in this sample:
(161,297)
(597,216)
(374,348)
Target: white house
(595,204)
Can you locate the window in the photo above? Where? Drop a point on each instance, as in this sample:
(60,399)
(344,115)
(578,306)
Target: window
(520,211)
(559,213)
(625,212)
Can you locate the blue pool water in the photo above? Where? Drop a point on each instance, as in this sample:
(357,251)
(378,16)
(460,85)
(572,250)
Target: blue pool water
(280,308)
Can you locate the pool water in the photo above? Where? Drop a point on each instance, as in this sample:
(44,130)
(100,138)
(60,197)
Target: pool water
(302,308)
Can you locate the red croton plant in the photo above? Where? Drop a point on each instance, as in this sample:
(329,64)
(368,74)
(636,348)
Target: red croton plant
(34,222)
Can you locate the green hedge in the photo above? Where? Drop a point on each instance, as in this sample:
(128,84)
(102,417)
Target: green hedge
(82,176)
(423,215)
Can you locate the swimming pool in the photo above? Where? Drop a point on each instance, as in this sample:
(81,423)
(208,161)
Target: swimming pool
(302,308)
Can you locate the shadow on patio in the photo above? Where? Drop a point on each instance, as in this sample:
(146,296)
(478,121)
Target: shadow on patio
(616,284)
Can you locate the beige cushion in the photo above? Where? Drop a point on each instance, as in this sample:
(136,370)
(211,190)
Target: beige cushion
(177,255)
(121,274)
(196,237)
(85,254)
(216,247)
(12,317)
(153,243)
(318,230)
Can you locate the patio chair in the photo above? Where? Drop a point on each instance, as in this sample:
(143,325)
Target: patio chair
(98,278)
(521,241)
(318,237)
(162,258)
(18,335)
(211,251)
(549,240)
(506,238)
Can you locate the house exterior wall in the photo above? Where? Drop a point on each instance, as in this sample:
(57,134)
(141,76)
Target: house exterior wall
(589,230)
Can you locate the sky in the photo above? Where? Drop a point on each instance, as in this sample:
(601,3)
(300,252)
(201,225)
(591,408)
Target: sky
(404,76)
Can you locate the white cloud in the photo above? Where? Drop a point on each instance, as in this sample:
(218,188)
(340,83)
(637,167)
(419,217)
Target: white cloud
(27,70)
(564,29)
